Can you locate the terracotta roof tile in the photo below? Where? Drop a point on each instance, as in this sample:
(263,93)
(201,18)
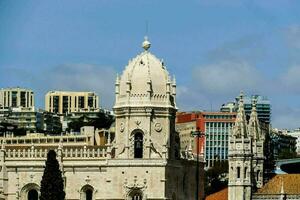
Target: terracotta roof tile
(221,195)
(291,184)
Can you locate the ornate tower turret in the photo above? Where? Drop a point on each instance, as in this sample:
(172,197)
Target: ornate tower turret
(145,109)
(258,139)
(240,158)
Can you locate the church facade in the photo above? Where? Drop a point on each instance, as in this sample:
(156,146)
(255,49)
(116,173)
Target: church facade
(142,162)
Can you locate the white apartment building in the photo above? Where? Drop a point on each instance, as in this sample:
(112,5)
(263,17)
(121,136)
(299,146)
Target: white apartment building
(62,102)
(296,133)
(16,97)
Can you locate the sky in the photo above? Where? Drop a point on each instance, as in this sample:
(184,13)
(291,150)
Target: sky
(215,48)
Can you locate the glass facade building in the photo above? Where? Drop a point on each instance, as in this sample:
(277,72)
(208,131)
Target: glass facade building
(218,126)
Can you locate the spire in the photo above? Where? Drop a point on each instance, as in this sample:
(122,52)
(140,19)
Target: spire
(117,79)
(254,128)
(3,144)
(282,195)
(281,190)
(240,127)
(146,44)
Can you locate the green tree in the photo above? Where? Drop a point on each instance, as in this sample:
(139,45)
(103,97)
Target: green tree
(102,120)
(52,184)
(287,153)
(216,177)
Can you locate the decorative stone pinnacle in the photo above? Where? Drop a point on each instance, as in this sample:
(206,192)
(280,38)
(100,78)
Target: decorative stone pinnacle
(146,44)
(254,101)
(241,101)
(241,95)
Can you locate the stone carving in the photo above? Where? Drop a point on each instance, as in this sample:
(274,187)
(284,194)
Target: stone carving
(158,127)
(137,122)
(154,149)
(122,127)
(128,187)
(122,147)
(87,179)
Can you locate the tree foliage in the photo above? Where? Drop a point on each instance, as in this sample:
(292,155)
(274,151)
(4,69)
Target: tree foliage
(216,177)
(287,153)
(102,120)
(52,184)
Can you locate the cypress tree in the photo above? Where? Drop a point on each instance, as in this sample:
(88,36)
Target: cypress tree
(52,184)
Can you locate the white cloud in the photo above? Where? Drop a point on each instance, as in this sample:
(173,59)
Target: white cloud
(227,77)
(293,36)
(286,117)
(290,79)
(83,77)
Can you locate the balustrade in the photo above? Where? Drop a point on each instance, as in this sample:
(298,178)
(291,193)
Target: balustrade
(68,153)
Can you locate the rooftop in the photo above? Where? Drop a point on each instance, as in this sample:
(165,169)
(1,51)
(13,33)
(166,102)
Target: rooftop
(220,195)
(290,183)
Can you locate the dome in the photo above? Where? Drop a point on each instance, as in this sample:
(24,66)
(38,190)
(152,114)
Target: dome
(145,76)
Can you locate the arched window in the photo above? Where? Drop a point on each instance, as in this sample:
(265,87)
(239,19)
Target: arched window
(238,169)
(136,195)
(257,175)
(138,145)
(33,195)
(87,192)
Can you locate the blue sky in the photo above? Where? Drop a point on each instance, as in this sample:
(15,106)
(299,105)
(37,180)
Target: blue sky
(215,48)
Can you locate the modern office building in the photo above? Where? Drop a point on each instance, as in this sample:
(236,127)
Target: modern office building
(263,107)
(62,102)
(215,125)
(23,118)
(16,97)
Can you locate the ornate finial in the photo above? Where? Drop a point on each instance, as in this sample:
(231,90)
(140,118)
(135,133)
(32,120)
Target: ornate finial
(146,44)
(282,189)
(118,79)
(241,95)
(241,100)
(254,101)
(3,144)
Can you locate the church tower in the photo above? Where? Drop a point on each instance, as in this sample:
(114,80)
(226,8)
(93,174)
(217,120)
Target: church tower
(145,109)
(240,158)
(258,139)
(145,150)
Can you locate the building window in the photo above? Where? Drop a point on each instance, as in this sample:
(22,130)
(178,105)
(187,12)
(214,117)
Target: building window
(65,104)
(257,175)
(88,194)
(23,99)
(91,101)
(138,145)
(55,104)
(245,172)
(33,195)
(238,173)
(135,195)
(81,101)
(14,99)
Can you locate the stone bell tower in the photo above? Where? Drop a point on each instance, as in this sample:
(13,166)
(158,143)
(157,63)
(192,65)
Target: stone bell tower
(145,109)
(240,158)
